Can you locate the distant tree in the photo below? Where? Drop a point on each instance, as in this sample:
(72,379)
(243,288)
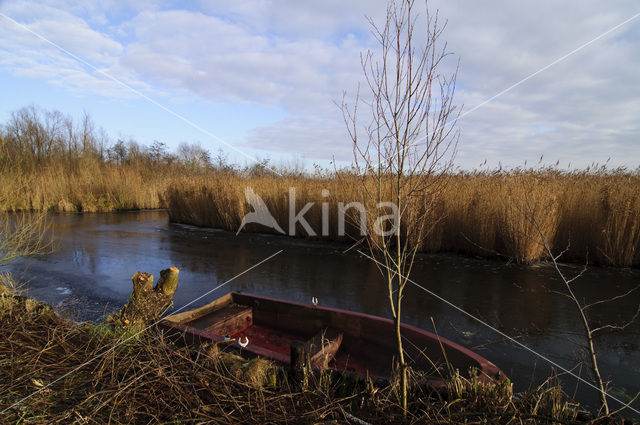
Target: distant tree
(118,152)
(221,161)
(136,153)
(90,146)
(260,167)
(194,157)
(34,135)
(159,152)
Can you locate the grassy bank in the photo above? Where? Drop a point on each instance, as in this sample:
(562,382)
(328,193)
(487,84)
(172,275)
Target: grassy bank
(147,380)
(596,215)
(50,163)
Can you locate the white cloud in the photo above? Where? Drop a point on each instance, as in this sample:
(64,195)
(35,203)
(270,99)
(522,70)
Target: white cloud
(24,54)
(300,56)
(60,27)
(217,59)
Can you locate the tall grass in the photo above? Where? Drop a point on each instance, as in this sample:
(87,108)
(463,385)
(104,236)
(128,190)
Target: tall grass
(58,371)
(98,187)
(593,215)
(48,163)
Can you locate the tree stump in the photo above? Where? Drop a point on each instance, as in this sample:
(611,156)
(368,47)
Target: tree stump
(147,304)
(142,285)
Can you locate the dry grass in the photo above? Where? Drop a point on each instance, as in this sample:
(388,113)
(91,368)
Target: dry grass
(596,215)
(92,188)
(23,235)
(48,162)
(148,380)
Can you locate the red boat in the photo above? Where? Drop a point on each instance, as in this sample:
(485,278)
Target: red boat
(333,338)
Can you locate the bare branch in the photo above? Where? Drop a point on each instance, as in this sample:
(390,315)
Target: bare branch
(23,235)
(407,145)
(618,327)
(608,300)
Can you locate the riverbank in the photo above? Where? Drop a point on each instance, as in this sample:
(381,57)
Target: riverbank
(48,163)
(145,379)
(96,254)
(593,217)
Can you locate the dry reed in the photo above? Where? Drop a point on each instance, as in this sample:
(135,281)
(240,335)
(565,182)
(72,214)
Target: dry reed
(94,188)
(148,380)
(594,215)
(48,163)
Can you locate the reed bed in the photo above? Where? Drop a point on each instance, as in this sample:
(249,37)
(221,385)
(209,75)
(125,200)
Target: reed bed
(146,379)
(48,162)
(594,216)
(96,187)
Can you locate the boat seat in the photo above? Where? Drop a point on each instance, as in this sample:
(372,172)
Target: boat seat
(230,319)
(322,347)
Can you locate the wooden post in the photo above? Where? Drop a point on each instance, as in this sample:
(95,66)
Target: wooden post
(298,366)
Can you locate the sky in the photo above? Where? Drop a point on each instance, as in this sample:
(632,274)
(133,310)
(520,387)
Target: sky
(261,78)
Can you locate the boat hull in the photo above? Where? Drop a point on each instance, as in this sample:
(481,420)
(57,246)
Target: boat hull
(367,343)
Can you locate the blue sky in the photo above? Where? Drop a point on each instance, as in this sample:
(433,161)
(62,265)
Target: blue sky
(263,75)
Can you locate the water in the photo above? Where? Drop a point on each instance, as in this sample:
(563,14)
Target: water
(96,255)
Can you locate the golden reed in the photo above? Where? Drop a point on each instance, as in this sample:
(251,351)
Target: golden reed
(595,216)
(50,163)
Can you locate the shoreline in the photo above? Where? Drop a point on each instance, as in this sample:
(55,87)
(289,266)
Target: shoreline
(215,379)
(329,242)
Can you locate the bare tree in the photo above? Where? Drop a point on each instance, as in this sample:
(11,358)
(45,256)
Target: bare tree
(36,135)
(407,147)
(194,156)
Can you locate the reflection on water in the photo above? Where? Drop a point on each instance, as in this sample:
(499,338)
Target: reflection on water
(98,253)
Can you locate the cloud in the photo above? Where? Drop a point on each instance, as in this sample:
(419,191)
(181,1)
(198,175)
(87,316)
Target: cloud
(24,54)
(300,56)
(307,136)
(216,59)
(297,20)
(589,98)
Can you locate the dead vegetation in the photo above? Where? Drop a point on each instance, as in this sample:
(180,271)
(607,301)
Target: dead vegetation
(57,371)
(596,213)
(23,235)
(50,163)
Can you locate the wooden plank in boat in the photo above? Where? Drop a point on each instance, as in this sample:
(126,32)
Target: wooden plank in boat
(191,315)
(322,347)
(226,320)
